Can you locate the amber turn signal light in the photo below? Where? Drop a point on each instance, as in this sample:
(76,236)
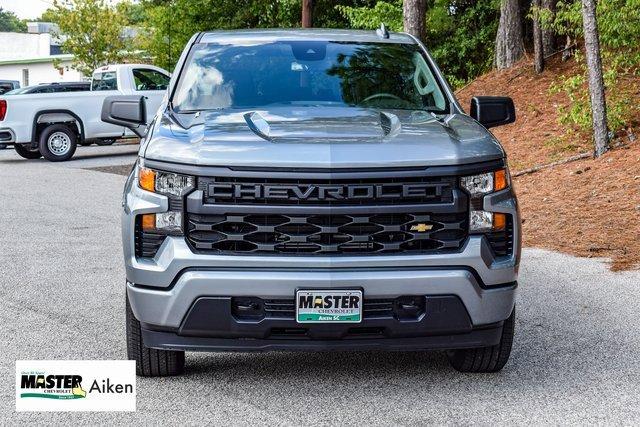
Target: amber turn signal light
(499,221)
(148,222)
(147,179)
(500,180)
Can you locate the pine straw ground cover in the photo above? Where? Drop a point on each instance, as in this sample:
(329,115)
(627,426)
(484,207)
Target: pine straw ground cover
(590,207)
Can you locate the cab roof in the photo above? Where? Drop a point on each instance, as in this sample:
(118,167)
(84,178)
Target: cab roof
(317,34)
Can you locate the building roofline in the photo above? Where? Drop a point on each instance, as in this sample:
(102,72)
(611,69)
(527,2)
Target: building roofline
(65,57)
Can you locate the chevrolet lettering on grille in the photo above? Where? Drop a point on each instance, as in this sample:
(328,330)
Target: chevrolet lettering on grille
(323,192)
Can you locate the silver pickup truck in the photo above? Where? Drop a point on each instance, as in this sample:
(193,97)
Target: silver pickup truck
(317,190)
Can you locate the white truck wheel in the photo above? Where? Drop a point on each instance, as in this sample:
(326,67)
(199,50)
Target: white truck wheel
(58,143)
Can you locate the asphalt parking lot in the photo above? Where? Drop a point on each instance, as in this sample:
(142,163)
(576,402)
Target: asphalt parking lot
(575,357)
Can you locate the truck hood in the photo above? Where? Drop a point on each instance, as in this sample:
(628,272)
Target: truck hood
(320,137)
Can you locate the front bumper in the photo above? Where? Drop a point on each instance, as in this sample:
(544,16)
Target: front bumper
(482,337)
(164,290)
(168,307)
(194,322)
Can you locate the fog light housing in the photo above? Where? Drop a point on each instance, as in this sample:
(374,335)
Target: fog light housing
(169,222)
(163,222)
(480,221)
(483,221)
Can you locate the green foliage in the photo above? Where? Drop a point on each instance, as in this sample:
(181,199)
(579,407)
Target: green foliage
(370,18)
(620,107)
(132,12)
(47,16)
(619,31)
(460,33)
(9,22)
(92,30)
(168,25)
(461,36)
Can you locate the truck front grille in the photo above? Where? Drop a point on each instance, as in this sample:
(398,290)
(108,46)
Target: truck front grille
(333,191)
(327,234)
(327,213)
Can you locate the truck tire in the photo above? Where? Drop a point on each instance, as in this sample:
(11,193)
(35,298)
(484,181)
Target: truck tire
(25,150)
(58,143)
(3,146)
(486,359)
(150,362)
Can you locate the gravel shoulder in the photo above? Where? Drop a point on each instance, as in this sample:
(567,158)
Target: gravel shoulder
(575,358)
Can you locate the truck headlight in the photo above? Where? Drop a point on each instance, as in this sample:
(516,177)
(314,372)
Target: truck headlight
(167,183)
(163,222)
(483,221)
(173,185)
(485,183)
(478,186)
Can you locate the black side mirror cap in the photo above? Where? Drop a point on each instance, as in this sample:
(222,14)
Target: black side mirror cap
(125,110)
(492,111)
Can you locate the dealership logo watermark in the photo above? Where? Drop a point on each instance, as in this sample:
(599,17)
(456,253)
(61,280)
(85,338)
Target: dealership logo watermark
(72,385)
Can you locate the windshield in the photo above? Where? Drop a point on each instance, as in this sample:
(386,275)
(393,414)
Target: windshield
(371,75)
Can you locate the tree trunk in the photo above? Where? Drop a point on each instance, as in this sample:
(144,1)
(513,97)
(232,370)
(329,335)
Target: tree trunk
(414,13)
(568,50)
(509,45)
(538,50)
(548,35)
(596,82)
(307,13)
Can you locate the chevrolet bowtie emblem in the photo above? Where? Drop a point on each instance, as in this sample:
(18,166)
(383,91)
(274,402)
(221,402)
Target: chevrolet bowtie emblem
(421,228)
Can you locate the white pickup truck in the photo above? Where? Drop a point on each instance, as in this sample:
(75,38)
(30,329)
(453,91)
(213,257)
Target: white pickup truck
(52,124)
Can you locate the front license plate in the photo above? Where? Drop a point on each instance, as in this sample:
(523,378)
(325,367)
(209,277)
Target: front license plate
(328,306)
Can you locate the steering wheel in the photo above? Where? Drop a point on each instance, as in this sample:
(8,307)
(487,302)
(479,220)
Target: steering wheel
(383,95)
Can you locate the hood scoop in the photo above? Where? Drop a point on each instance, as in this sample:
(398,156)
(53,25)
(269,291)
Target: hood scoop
(390,124)
(258,124)
(364,128)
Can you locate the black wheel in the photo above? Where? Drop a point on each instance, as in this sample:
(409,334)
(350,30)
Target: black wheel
(25,150)
(486,359)
(103,142)
(58,143)
(149,361)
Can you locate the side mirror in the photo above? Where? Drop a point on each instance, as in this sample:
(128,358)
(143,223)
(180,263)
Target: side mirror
(492,111)
(125,110)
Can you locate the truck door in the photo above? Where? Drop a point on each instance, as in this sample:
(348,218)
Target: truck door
(152,84)
(104,82)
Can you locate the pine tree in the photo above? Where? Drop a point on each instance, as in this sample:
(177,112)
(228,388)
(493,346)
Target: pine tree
(596,81)
(538,49)
(414,14)
(509,45)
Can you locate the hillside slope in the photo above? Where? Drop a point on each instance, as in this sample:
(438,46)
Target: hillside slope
(589,207)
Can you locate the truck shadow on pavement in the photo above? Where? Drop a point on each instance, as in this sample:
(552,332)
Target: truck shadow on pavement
(571,351)
(76,158)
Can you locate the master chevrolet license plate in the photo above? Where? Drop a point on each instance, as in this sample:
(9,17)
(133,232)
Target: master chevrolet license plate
(328,306)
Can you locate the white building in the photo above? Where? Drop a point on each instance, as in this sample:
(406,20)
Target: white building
(33,71)
(29,57)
